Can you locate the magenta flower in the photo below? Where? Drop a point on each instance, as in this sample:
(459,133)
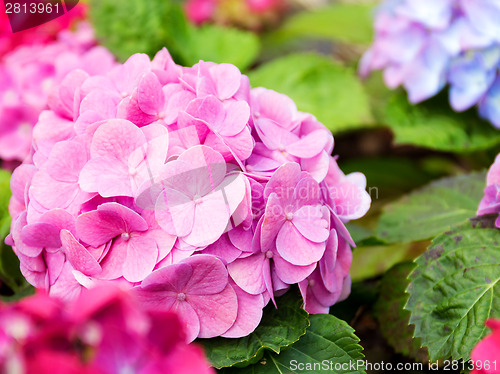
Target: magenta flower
(104,331)
(196,288)
(487,350)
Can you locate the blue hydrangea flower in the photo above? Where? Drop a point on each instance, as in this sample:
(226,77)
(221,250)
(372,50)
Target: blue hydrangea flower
(424,45)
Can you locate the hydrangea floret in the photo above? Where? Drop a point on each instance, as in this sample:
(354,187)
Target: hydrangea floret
(185,185)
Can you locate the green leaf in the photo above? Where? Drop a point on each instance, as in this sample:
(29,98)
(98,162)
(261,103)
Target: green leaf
(128,26)
(432,209)
(358,233)
(279,328)
(454,289)
(329,341)
(350,23)
(221,44)
(372,261)
(393,318)
(331,92)
(5,195)
(387,176)
(435,125)
(10,274)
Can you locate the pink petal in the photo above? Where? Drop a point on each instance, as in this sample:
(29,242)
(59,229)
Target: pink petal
(189,319)
(41,235)
(309,146)
(142,254)
(236,118)
(291,274)
(283,181)
(208,227)
(208,109)
(309,222)
(117,138)
(66,287)
(316,166)
(217,313)
(241,239)
(223,249)
(207,161)
(273,220)
(107,176)
(175,212)
(173,278)
(327,263)
(108,221)
(78,255)
(112,263)
(249,314)
(127,76)
(66,160)
(209,275)
(150,95)
(296,249)
(102,102)
(43,187)
(248,273)
(276,106)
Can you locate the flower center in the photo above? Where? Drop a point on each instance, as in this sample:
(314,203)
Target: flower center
(126,236)
(269,254)
(198,199)
(289,216)
(181,296)
(132,171)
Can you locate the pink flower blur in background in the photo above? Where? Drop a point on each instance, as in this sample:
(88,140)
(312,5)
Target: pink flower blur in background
(104,331)
(33,62)
(486,354)
(248,14)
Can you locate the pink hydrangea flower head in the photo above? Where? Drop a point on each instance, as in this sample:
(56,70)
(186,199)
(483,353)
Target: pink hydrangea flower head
(487,350)
(490,204)
(104,331)
(188,187)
